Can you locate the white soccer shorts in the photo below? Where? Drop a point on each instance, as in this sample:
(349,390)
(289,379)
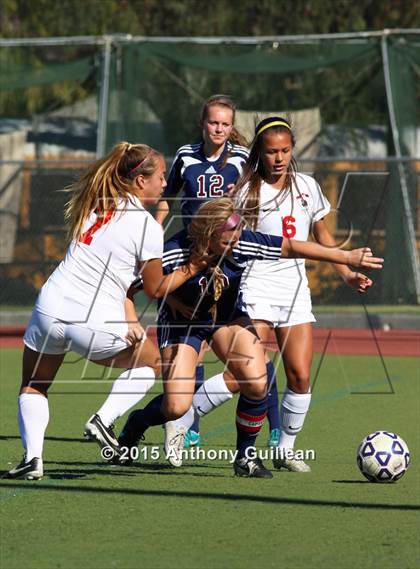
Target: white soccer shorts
(279,316)
(47,335)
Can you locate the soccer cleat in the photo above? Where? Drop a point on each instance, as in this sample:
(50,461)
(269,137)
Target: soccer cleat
(274,438)
(32,470)
(251,468)
(174,443)
(291,464)
(103,435)
(192,439)
(129,444)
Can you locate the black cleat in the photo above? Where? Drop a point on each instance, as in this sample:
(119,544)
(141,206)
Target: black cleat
(32,470)
(251,468)
(103,435)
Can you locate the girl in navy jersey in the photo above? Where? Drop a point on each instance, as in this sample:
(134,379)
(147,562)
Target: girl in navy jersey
(215,238)
(86,305)
(209,168)
(202,171)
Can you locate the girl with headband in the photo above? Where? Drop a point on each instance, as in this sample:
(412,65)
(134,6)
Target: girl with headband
(86,305)
(280,200)
(216,241)
(203,171)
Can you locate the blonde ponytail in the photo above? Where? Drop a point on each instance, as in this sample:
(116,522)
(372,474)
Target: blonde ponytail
(206,224)
(106,182)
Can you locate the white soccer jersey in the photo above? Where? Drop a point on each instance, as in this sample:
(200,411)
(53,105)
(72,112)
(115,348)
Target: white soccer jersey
(288,214)
(90,285)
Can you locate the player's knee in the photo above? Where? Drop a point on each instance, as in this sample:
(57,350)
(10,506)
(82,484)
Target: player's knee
(257,390)
(298,381)
(175,409)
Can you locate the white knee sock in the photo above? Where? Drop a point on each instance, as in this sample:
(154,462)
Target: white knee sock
(33,417)
(21,425)
(127,390)
(209,396)
(293,410)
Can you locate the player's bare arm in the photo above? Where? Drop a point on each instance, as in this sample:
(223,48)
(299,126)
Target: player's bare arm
(162,211)
(157,285)
(362,257)
(135,331)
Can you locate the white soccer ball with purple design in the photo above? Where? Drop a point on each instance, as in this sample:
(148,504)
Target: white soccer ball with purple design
(383,456)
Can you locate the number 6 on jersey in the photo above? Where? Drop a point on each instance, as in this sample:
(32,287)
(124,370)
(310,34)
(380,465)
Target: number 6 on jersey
(289,229)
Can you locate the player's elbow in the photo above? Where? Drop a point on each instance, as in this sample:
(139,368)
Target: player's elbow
(153,292)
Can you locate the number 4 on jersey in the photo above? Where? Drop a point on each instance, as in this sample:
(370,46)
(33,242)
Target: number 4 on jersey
(215,186)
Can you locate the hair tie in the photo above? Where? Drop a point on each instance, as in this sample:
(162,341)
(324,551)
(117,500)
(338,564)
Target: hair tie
(141,162)
(270,124)
(232,221)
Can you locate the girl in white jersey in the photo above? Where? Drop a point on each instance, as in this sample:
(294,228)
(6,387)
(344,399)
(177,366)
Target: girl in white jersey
(86,305)
(279,200)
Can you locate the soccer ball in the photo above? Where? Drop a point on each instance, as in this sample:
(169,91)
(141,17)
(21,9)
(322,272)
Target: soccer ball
(383,457)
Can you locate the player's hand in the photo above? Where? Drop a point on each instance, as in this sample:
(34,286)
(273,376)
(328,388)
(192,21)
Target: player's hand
(364,258)
(135,333)
(178,307)
(358,281)
(198,263)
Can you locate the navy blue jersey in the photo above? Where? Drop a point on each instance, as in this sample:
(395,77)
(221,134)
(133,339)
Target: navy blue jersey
(202,179)
(198,291)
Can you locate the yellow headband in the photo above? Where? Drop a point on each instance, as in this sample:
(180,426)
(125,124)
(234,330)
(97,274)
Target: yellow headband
(270,124)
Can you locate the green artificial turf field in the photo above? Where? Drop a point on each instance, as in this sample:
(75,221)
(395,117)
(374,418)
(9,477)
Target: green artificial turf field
(87,514)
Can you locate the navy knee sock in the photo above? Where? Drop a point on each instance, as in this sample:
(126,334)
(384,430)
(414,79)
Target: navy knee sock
(273,413)
(199,380)
(139,421)
(250,415)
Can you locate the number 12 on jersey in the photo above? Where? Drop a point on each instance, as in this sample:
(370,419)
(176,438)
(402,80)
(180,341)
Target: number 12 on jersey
(215,186)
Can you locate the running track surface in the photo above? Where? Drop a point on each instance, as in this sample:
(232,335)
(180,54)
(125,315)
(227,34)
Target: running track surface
(327,340)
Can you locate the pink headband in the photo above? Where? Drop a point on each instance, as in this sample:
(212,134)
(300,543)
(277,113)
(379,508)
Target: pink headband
(140,163)
(232,221)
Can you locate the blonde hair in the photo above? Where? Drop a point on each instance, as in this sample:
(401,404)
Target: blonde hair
(106,182)
(206,224)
